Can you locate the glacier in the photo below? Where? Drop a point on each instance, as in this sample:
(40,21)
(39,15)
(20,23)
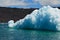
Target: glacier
(45,18)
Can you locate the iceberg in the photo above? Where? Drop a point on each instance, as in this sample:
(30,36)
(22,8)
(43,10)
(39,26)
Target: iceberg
(45,18)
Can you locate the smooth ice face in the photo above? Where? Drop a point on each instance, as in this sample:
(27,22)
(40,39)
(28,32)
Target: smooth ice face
(11,23)
(45,18)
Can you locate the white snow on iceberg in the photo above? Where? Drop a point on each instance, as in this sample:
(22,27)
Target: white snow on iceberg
(45,18)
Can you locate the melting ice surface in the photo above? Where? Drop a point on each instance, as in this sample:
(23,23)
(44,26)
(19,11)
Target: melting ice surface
(44,18)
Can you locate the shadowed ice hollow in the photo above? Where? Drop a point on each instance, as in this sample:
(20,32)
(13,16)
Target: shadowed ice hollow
(44,18)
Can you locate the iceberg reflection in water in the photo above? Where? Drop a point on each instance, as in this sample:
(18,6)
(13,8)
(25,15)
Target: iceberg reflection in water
(46,18)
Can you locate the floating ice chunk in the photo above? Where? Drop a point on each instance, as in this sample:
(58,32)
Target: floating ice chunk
(45,18)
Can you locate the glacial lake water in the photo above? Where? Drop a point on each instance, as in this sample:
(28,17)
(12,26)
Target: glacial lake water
(20,34)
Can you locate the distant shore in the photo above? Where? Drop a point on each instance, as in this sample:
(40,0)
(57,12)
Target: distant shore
(15,14)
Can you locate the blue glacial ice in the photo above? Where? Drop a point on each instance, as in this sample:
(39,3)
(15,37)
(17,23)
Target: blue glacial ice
(44,18)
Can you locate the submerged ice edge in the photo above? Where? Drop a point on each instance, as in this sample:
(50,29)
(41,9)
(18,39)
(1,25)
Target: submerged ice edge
(45,18)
